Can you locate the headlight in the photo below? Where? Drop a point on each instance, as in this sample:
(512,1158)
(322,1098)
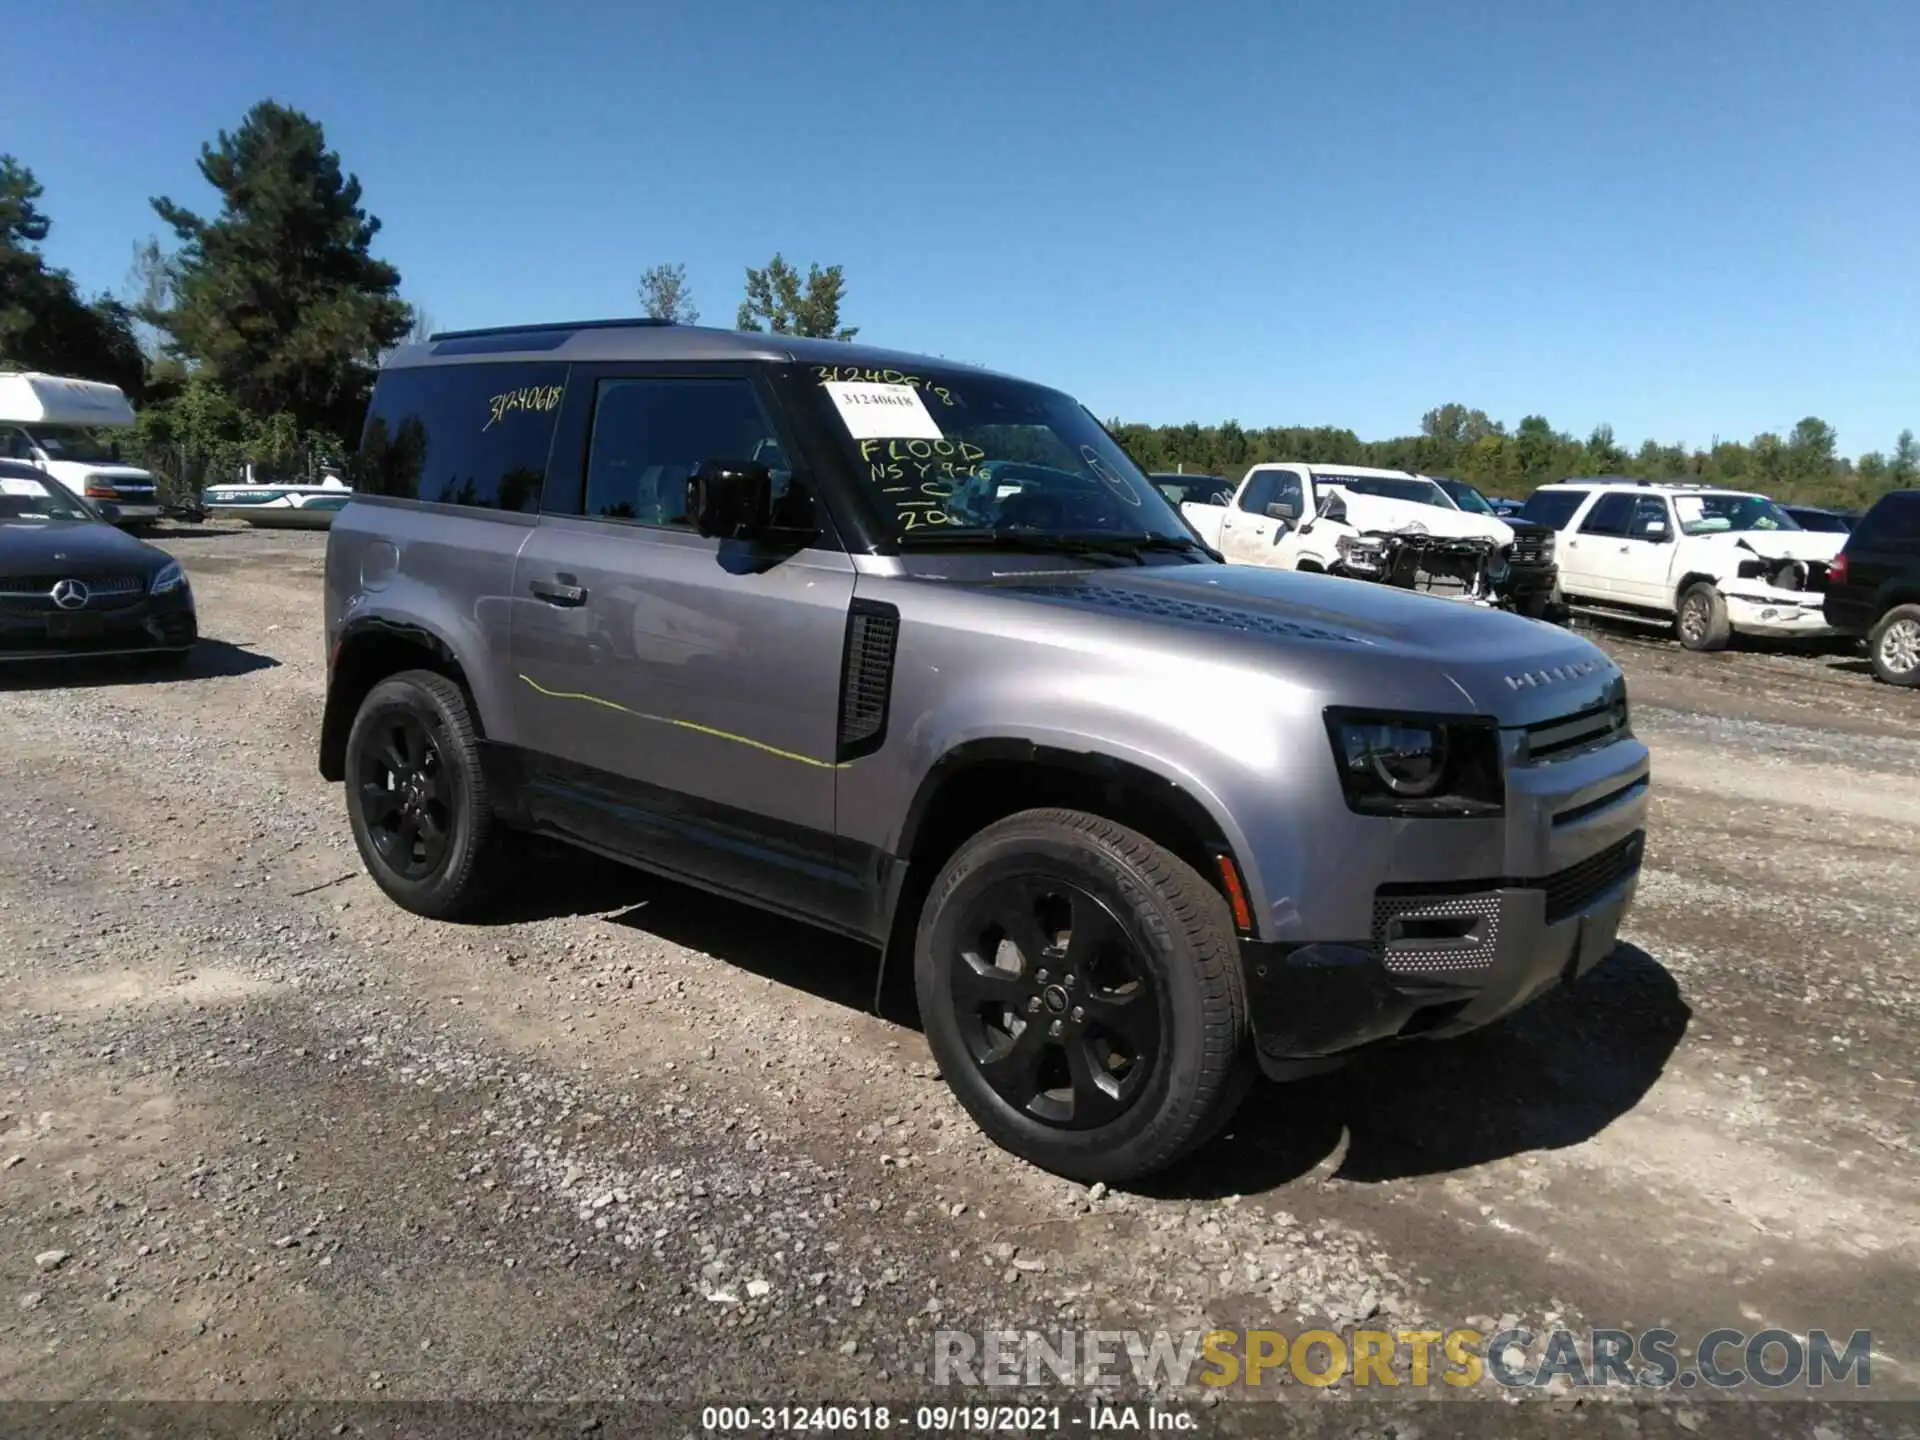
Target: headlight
(169,577)
(1415,765)
(1361,552)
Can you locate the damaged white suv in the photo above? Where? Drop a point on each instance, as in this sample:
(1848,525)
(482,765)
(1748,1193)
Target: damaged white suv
(1713,563)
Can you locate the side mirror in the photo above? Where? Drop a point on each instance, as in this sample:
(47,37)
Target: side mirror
(730,499)
(1284,510)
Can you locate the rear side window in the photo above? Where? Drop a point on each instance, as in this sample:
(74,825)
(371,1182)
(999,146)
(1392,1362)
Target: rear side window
(1552,507)
(1609,516)
(1893,517)
(473,435)
(649,436)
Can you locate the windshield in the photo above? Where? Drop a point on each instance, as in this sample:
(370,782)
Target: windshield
(1467,498)
(1713,514)
(951,453)
(25,499)
(71,442)
(1388,487)
(1194,489)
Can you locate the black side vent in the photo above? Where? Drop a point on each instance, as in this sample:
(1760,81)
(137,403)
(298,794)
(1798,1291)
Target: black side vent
(866,677)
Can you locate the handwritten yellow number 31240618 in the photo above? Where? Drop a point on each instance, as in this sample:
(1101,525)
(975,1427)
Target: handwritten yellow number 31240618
(532,397)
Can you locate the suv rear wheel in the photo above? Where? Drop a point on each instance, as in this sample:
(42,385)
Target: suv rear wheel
(1895,646)
(416,796)
(1702,621)
(1080,988)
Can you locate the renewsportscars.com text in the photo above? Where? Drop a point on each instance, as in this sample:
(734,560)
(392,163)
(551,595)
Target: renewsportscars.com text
(1655,1359)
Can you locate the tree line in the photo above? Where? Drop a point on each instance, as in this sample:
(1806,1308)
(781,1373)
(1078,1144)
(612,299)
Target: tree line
(1804,465)
(255,333)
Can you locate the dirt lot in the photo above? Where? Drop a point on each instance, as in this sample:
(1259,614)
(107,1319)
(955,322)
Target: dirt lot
(626,1141)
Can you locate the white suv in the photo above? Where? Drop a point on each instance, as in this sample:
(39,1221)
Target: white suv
(1713,563)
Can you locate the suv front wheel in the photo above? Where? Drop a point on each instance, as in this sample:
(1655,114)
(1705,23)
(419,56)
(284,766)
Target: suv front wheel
(1080,989)
(1702,621)
(1895,646)
(416,796)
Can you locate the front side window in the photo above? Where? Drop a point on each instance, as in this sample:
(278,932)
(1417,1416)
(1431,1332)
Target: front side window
(1260,489)
(649,436)
(474,435)
(1649,519)
(954,452)
(1715,514)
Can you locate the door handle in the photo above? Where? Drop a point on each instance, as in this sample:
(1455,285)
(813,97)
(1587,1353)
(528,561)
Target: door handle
(556,593)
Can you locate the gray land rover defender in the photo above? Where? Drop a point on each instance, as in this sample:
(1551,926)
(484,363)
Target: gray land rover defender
(914,652)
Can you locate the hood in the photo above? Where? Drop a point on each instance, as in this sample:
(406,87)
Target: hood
(1377,513)
(1375,637)
(54,547)
(1783,544)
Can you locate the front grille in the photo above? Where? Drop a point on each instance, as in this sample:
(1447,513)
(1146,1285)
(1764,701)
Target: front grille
(33,594)
(1583,730)
(1530,550)
(1578,886)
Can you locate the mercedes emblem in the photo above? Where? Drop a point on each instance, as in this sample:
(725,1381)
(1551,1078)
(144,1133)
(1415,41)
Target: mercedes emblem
(69,594)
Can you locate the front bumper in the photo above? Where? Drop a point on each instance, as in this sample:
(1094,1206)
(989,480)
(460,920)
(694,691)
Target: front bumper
(155,624)
(1442,959)
(1780,613)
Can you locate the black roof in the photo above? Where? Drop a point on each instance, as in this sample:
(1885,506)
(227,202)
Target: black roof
(637,339)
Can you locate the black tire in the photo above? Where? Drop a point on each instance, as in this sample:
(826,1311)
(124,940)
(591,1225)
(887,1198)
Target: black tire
(426,831)
(1142,913)
(1701,620)
(1894,646)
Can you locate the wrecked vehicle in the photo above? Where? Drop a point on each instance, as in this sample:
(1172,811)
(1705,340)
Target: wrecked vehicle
(1712,563)
(1388,526)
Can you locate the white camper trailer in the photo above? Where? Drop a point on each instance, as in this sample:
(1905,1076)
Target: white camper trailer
(65,427)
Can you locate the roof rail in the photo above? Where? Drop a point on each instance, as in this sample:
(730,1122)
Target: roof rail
(543,328)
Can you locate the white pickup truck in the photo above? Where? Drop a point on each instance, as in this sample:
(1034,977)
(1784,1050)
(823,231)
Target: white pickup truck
(1388,526)
(64,427)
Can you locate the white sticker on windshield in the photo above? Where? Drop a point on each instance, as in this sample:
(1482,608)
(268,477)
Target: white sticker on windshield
(882,412)
(31,489)
(1690,507)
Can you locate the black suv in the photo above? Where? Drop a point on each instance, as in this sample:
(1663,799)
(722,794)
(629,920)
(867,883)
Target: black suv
(1873,586)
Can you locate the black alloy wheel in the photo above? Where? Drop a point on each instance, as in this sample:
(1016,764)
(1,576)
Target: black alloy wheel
(405,796)
(1055,1001)
(1080,988)
(417,795)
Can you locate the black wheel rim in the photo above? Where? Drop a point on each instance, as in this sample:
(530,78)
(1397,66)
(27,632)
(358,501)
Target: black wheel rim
(406,795)
(1055,1001)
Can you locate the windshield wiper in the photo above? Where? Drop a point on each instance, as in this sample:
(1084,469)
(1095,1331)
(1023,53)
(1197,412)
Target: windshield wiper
(1117,544)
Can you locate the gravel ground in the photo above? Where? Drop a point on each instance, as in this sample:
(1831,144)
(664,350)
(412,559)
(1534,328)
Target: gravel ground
(267,1136)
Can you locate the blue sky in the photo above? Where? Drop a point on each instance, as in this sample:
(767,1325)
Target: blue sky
(1679,217)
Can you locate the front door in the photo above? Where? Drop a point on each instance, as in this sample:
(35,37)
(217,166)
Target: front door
(679,696)
(1248,532)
